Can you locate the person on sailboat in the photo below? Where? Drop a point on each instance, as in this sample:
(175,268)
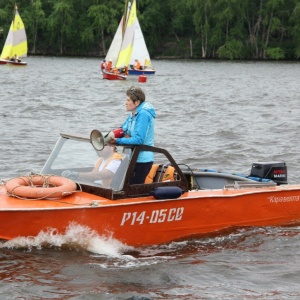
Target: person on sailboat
(16,58)
(137,65)
(124,70)
(115,70)
(138,130)
(103,65)
(109,66)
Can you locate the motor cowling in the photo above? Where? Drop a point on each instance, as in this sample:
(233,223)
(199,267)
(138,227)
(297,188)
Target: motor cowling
(276,171)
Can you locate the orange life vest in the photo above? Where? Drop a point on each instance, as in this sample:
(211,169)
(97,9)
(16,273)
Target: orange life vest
(108,66)
(137,65)
(115,156)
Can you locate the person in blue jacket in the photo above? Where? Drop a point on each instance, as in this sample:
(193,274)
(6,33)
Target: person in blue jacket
(139,130)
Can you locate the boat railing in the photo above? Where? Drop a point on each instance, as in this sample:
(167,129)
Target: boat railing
(247,184)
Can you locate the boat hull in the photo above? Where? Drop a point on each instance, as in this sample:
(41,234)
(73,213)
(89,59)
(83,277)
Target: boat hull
(141,72)
(8,62)
(147,221)
(22,63)
(112,76)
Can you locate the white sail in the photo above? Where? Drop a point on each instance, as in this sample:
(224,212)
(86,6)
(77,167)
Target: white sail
(115,47)
(140,50)
(128,39)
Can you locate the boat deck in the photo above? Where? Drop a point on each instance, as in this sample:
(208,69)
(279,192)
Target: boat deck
(80,199)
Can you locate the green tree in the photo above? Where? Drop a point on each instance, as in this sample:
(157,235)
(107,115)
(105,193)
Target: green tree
(203,21)
(227,29)
(295,28)
(154,17)
(181,26)
(104,19)
(60,22)
(35,20)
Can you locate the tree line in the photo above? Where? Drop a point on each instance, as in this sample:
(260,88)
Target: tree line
(223,29)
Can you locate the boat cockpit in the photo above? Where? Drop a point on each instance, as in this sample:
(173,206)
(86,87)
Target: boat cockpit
(76,153)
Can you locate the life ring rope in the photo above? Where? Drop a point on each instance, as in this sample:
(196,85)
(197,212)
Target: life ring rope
(40,187)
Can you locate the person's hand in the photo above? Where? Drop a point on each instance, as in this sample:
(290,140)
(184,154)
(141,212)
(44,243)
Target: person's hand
(112,141)
(70,174)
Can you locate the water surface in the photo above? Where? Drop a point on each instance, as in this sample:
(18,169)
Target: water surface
(221,115)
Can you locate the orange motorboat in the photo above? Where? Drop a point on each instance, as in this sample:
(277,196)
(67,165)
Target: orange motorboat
(176,202)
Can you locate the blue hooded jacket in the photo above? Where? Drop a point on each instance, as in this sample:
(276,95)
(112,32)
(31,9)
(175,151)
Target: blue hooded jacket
(140,129)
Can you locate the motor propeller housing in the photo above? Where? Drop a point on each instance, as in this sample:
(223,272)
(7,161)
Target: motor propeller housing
(276,171)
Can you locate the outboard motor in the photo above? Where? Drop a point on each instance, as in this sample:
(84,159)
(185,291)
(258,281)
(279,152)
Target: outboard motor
(276,171)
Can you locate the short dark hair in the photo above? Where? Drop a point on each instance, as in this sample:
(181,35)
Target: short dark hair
(135,94)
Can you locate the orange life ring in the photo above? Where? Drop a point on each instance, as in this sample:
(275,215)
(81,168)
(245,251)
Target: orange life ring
(40,186)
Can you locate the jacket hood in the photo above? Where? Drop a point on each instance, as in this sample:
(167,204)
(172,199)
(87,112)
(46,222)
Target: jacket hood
(148,107)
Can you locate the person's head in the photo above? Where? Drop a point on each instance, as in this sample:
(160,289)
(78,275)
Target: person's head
(136,60)
(110,60)
(135,96)
(104,60)
(107,151)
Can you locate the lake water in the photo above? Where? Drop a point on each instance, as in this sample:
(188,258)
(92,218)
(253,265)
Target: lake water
(220,115)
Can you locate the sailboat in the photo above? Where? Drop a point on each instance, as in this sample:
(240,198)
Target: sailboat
(140,52)
(120,50)
(15,45)
(128,44)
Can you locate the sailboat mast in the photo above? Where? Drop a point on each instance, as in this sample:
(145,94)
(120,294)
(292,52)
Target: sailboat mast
(125,18)
(15,11)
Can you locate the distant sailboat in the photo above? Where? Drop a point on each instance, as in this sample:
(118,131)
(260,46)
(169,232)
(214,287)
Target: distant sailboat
(140,52)
(121,48)
(15,46)
(128,44)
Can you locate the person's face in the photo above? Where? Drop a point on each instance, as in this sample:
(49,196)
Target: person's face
(107,151)
(130,105)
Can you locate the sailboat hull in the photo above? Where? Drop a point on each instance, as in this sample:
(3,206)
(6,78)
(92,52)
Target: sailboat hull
(112,76)
(141,72)
(14,63)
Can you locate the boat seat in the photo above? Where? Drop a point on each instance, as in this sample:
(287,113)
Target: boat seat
(151,174)
(168,174)
(163,173)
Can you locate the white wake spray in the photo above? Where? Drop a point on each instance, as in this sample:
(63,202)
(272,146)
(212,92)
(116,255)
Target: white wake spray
(75,237)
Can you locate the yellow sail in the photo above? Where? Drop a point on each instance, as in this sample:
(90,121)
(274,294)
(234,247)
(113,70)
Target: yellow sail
(147,62)
(16,41)
(127,44)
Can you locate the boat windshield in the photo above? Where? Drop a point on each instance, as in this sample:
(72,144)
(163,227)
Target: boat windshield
(77,159)
(74,157)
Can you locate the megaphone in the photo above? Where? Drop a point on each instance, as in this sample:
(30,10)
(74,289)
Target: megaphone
(98,140)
